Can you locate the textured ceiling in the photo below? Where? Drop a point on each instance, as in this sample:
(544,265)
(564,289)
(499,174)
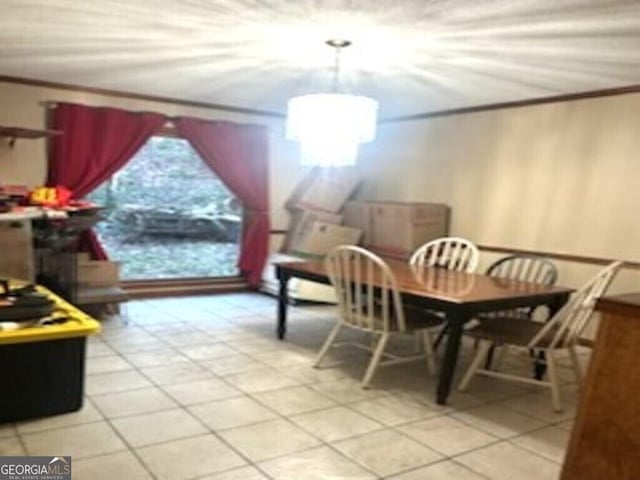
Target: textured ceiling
(413,56)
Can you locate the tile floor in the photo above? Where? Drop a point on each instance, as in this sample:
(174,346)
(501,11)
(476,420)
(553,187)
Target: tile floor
(199,388)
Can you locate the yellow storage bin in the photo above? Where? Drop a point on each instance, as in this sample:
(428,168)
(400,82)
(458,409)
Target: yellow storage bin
(42,367)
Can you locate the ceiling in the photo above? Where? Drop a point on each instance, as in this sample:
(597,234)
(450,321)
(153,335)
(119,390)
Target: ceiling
(414,56)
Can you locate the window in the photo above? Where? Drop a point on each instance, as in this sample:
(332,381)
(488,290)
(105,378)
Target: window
(168,216)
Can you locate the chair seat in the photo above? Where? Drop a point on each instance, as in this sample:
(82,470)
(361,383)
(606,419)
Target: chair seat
(514,331)
(415,319)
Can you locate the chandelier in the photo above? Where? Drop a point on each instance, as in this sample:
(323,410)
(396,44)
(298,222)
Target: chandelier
(331,126)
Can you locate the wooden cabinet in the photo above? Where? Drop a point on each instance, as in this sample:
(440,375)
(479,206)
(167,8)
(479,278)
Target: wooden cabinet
(605,441)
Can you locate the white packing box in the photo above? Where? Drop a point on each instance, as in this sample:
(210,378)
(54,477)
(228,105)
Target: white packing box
(297,289)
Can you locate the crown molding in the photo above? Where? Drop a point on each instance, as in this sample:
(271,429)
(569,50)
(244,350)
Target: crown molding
(138,96)
(265,113)
(515,104)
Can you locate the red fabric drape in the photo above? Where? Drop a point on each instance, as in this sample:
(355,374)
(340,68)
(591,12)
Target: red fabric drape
(95,143)
(238,154)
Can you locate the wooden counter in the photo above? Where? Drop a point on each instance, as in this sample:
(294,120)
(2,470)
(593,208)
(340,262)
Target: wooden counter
(605,441)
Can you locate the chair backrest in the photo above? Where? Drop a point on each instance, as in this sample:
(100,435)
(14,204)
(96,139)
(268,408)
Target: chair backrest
(526,268)
(366,289)
(452,253)
(565,327)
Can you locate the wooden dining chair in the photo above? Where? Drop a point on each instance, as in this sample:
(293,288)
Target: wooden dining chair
(561,332)
(452,253)
(368,300)
(524,268)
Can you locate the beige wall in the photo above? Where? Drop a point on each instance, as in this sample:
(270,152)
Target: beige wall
(26,162)
(561,177)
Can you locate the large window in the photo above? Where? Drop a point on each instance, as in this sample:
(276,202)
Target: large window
(168,216)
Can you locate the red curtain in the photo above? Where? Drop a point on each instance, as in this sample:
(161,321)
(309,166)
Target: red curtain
(95,143)
(238,154)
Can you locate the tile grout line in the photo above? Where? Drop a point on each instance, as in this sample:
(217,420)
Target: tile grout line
(123,440)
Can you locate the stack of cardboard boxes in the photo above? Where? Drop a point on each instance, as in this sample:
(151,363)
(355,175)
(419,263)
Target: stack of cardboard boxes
(323,218)
(315,228)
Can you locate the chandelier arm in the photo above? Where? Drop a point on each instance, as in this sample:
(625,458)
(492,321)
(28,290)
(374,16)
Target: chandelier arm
(336,70)
(338,44)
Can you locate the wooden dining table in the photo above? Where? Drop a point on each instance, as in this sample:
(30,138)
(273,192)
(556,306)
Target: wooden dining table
(459,296)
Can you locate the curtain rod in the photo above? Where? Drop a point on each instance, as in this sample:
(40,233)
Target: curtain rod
(48,103)
(54,103)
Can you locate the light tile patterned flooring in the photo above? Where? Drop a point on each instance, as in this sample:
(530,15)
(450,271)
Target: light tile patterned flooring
(199,388)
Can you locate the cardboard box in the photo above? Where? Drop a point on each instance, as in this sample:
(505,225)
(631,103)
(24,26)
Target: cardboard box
(396,229)
(358,215)
(17,259)
(323,237)
(301,224)
(97,273)
(325,189)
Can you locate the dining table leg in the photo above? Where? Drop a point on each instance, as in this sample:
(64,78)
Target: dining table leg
(455,322)
(283,302)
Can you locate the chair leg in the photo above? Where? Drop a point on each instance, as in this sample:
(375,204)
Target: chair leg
(552,370)
(481,355)
(375,360)
(443,331)
(430,354)
(327,344)
(490,353)
(577,369)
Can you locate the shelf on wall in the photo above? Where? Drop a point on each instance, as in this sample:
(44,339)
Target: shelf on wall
(13,133)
